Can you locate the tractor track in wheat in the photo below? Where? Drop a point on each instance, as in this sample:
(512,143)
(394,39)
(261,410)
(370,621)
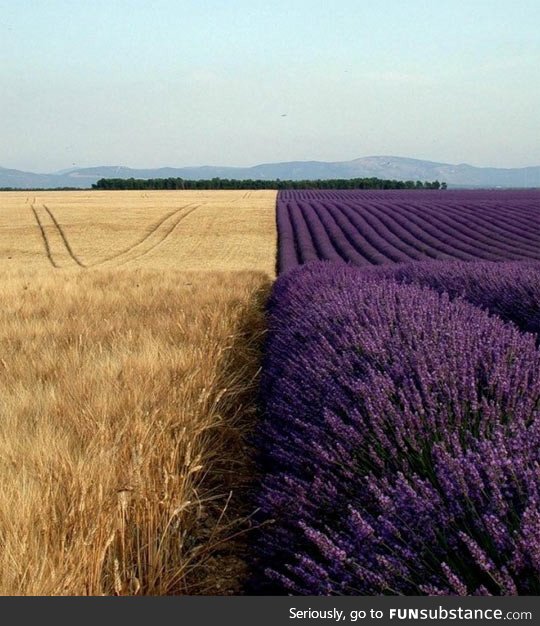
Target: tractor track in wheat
(44,237)
(64,238)
(155,237)
(49,251)
(150,240)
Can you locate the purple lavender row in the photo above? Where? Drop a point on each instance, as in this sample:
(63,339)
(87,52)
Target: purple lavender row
(287,254)
(439,224)
(446,224)
(400,441)
(370,227)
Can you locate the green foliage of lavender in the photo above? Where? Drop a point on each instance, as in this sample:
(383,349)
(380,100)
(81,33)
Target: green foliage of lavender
(400,442)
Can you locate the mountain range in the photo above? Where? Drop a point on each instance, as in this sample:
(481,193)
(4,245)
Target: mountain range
(392,167)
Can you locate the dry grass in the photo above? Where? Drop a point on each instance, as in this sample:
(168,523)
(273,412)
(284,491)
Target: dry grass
(130,333)
(192,230)
(124,400)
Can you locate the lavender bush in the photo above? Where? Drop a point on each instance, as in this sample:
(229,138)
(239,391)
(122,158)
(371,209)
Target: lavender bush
(510,290)
(400,442)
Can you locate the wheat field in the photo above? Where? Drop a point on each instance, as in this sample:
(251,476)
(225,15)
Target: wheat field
(130,337)
(191,230)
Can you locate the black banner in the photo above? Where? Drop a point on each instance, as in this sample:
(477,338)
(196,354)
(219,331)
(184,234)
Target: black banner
(273,611)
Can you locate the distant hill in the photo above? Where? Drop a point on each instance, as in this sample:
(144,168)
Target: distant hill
(391,167)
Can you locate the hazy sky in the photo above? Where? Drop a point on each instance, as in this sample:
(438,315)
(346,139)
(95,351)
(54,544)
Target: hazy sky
(241,82)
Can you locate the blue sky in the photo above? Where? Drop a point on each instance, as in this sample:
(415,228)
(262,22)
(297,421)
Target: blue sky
(240,82)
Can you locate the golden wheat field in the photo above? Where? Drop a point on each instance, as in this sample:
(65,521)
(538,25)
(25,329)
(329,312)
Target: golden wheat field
(130,337)
(191,230)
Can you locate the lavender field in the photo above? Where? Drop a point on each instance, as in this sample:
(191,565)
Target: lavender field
(374,227)
(399,446)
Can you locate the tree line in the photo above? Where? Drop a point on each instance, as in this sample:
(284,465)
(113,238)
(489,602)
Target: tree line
(231,183)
